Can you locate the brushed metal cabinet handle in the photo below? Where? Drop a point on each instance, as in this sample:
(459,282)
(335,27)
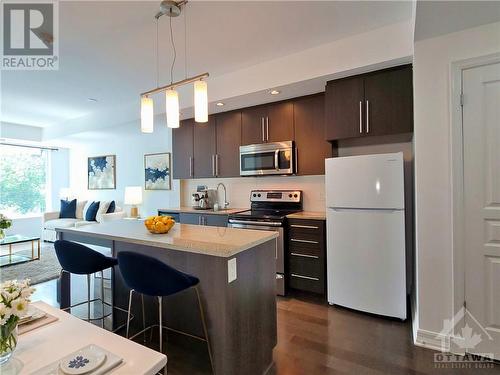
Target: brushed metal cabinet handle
(199,220)
(367,116)
(360,116)
(305,277)
(262,126)
(216,164)
(303,226)
(277,160)
(305,255)
(267,128)
(213,165)
(304,241)
(190,166)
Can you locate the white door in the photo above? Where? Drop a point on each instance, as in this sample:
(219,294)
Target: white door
(481,138)
(366,260)
(367,181)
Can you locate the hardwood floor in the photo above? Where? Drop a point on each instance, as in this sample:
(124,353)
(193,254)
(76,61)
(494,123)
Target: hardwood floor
(317,339)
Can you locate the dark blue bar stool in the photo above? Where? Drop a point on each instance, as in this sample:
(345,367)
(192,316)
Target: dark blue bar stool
(161,281)
(81,260)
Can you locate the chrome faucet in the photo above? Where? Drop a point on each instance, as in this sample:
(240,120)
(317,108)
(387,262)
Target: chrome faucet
(226,203)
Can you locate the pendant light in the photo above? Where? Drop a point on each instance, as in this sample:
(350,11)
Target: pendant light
(172,9)
(200,101)
(147,115)
(172,105)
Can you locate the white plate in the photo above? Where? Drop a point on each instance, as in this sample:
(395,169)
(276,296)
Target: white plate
(83,361)
(32,314)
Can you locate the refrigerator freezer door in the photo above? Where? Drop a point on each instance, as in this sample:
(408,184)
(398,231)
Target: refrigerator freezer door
(368,181)
(366,260)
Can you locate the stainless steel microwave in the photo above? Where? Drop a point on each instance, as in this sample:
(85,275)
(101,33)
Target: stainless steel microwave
(267,159)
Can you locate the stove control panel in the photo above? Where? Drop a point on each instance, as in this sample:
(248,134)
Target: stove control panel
(293,196)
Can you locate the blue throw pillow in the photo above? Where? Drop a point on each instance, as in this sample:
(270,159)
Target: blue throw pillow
(111,208)
(92,211)
(68,209)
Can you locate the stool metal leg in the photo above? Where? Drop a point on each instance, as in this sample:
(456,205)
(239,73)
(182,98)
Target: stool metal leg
(88,298)
(143,318)
(205,331)
(102,298)
(161,323)
(128,312)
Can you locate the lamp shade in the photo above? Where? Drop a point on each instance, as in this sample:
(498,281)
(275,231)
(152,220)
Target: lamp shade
(200,101)
(147,116)
(172,104)
(133,195)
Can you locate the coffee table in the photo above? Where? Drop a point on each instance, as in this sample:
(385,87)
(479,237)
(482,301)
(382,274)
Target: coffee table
(14,257)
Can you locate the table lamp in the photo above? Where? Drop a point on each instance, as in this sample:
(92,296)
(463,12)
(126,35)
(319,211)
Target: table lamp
(133,197)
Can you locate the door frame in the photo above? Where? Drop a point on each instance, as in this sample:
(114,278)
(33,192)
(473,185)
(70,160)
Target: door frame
(457,181)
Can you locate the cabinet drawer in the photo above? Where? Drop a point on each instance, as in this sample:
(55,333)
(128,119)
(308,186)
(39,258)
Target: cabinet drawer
(312,230)
(306,283)
(306,248)
(306,265)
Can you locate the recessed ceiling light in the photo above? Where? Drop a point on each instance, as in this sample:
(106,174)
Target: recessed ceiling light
(219,104)
(274,92)
(93,100)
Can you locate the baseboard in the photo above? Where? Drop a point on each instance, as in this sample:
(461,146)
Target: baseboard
(432,340)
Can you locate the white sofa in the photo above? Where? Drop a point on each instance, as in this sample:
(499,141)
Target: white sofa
(51,220)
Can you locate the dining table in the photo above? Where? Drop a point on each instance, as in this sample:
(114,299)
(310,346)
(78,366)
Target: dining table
(66,334)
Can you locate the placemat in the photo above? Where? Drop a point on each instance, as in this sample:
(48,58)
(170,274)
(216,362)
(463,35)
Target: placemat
(30,326)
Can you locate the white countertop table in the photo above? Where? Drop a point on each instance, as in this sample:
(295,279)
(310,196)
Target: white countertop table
(47,344)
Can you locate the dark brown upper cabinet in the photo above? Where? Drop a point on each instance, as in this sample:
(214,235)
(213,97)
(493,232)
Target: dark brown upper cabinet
(204,141)
(377,103)
(228,129)
(279,122)
(312,149)
(182,149)
(267,123)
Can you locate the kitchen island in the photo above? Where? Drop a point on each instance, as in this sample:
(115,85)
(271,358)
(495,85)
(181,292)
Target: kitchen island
(236,269)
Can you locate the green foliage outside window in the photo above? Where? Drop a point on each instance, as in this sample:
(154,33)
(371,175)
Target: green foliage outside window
(22,180)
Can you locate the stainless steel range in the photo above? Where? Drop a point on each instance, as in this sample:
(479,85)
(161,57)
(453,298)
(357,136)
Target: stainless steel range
(269,209)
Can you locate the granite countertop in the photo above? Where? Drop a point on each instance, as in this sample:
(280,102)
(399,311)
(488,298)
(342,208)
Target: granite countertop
(311,215)
(191,210)
(215,241)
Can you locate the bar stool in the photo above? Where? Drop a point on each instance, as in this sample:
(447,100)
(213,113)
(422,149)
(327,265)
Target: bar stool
(161,281)
(81,260)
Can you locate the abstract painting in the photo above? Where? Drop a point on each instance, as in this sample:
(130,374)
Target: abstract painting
(101,172)
(157,171)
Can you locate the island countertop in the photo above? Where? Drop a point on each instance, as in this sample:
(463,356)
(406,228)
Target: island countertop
(214,241)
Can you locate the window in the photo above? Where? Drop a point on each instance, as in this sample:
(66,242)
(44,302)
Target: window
(23,180)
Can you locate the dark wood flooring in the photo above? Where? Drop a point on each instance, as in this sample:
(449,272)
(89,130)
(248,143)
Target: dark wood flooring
(317,339)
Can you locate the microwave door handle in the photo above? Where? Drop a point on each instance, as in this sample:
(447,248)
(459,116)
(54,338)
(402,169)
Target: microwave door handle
(277,159)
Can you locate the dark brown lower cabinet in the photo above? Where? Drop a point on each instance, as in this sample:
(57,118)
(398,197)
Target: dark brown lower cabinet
(307,255)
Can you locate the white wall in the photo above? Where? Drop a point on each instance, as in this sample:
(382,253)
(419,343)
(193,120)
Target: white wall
(20,132)
(433,185)
(238,189)
(129,145)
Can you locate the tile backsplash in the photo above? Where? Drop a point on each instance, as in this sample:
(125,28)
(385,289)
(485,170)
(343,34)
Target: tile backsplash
(238,189)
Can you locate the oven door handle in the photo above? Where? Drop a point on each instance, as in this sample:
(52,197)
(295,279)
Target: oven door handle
(256,223)
(277,160)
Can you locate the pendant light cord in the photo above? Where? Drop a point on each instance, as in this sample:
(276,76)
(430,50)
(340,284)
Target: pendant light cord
(175,52)
(157,58)
(185,43)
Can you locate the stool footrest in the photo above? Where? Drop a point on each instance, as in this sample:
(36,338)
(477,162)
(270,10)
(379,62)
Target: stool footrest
(168,329)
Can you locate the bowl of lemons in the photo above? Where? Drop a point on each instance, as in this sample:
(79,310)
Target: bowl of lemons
(159,224)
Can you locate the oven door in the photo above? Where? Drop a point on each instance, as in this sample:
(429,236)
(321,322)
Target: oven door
(267,159)
(279,248)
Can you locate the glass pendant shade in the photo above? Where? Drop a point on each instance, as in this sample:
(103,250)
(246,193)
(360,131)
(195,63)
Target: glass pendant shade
(147,116)
(172,104)
(200,101)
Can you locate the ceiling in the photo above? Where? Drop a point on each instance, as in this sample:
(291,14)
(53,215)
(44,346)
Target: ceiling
(435,18)
(107,49)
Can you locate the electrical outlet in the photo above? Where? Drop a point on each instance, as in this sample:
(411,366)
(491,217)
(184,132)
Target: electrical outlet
(231,270)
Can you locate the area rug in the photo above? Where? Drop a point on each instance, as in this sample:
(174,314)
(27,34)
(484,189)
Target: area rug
(44,269)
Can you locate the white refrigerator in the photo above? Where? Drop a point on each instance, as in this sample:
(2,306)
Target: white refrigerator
(366,233)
